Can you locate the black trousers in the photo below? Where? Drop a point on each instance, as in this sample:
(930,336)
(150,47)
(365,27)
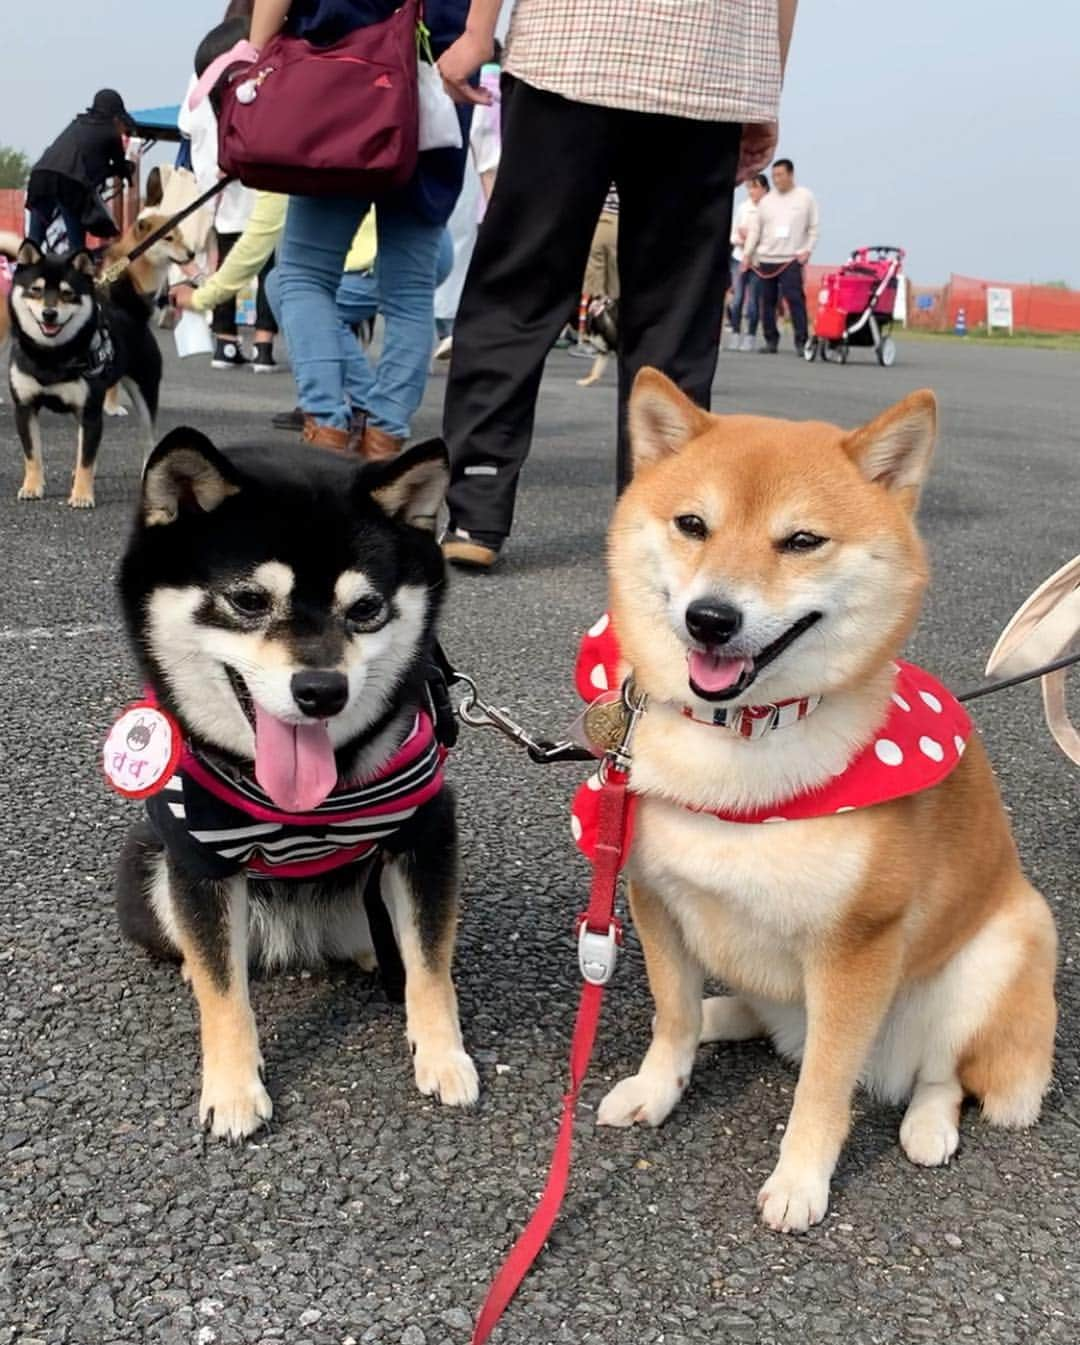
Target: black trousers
(223,323)
(784,284)
(675,179)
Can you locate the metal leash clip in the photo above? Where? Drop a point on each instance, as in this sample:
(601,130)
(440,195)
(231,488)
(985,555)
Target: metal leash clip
(478,714)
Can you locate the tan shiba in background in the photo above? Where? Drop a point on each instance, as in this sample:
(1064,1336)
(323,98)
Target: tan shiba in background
(899,945)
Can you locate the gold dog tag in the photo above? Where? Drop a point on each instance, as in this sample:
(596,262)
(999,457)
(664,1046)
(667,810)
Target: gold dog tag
(604,723)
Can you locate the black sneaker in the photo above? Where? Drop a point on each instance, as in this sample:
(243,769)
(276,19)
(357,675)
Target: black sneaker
(264,362)
(289,420)
(767,350)
(228,355)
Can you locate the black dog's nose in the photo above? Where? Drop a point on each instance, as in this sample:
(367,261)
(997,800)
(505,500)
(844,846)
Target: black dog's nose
(711,622)
(320,694)
(49,315)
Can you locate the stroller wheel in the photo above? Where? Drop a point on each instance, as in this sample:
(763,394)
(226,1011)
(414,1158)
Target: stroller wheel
(809,351)
(886,352)
(843,351)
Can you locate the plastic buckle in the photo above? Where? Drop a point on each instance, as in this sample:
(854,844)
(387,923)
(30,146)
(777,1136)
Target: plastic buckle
(598,953)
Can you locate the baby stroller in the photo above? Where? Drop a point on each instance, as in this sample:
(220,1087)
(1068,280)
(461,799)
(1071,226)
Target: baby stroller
(855,306)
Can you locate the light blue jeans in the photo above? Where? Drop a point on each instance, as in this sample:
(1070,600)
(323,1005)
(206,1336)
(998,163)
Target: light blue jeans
(333,375)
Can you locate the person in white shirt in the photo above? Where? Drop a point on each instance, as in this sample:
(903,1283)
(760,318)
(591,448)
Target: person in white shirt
(779,241)
(744,283)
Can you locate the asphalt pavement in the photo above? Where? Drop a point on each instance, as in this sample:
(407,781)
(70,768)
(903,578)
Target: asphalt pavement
(367,1213)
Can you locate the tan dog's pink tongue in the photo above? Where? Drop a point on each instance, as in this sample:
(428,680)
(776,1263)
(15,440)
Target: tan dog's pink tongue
(713,672)
(294,763)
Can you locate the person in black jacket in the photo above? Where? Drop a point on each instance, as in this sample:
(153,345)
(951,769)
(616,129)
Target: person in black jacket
(66,180)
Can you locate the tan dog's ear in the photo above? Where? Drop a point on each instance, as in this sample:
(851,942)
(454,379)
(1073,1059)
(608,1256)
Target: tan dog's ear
(894,449)
(662,418)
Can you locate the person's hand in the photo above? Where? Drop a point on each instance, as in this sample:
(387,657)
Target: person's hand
(756,148)
(744,266)
(460,62)
(802,258)
(182,296)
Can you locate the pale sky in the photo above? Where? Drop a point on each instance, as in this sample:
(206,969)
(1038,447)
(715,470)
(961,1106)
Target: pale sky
(949,127)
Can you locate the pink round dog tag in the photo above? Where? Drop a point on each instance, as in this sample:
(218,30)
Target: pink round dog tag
(142,750)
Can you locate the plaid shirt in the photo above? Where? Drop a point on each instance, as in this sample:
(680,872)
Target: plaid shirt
(709,60)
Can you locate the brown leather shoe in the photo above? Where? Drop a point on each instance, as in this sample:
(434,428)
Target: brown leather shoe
(327,436)
(378,446)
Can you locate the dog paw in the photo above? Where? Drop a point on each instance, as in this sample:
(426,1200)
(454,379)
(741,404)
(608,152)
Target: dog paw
(643,1099)
(232,1108)
(32,492)
(790,1201)
(928,1139)
(448,1075)
(81,501)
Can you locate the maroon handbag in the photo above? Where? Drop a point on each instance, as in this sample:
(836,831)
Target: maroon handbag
(340,120)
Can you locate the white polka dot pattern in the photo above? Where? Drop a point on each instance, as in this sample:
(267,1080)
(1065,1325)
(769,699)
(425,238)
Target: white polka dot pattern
(888,752)
(931,748)
(899,700)
(598,677)
(930,699)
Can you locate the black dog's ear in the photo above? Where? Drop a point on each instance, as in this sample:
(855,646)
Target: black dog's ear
(29,254)
(412,486)
(82,261)
(185,471)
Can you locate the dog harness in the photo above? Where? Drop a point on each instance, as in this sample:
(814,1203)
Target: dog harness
(919,744)
(216,821)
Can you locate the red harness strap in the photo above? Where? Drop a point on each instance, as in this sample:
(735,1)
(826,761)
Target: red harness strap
(599,934)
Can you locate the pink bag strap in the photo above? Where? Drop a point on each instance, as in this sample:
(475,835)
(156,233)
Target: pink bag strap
(243,53)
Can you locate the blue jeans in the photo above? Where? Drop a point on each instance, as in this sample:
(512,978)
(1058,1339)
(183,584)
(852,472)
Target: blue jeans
(333,375)
(744,289)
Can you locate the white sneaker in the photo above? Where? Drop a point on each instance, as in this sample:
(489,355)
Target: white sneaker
(746,342)
(731,341)
(443,349)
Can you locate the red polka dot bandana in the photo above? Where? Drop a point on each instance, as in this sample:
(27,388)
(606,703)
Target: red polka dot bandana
(919,744)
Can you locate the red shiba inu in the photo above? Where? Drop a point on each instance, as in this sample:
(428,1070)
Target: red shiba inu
(764,576)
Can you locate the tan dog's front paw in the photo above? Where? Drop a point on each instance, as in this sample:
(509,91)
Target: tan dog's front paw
(32,490)
(80,501)
(791,1200)
(643,1099)
(449,1075)
(233,1106)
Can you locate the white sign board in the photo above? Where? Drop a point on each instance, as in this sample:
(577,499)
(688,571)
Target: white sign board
(999,309)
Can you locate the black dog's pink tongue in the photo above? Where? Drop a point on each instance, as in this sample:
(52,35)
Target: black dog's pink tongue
(294,763)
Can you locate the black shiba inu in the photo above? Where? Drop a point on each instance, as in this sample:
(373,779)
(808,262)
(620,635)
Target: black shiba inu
(68,348)
(282,606)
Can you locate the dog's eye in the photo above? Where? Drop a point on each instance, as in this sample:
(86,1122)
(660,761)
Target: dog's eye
(802,541)
(249,601)
(66,294)
(367,613)
(692,525)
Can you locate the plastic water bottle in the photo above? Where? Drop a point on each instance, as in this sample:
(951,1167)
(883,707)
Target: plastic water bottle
(245,306)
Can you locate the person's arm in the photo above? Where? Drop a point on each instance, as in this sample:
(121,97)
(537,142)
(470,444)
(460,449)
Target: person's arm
(460,61)
(811,232)
(253,247)
(753,237)
(267,19)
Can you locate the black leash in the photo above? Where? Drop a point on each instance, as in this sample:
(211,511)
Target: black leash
(119,266)
(989,687)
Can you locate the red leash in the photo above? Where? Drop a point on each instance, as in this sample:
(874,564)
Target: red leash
(599,935)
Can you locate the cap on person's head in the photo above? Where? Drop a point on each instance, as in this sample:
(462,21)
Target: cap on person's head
(109,103)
